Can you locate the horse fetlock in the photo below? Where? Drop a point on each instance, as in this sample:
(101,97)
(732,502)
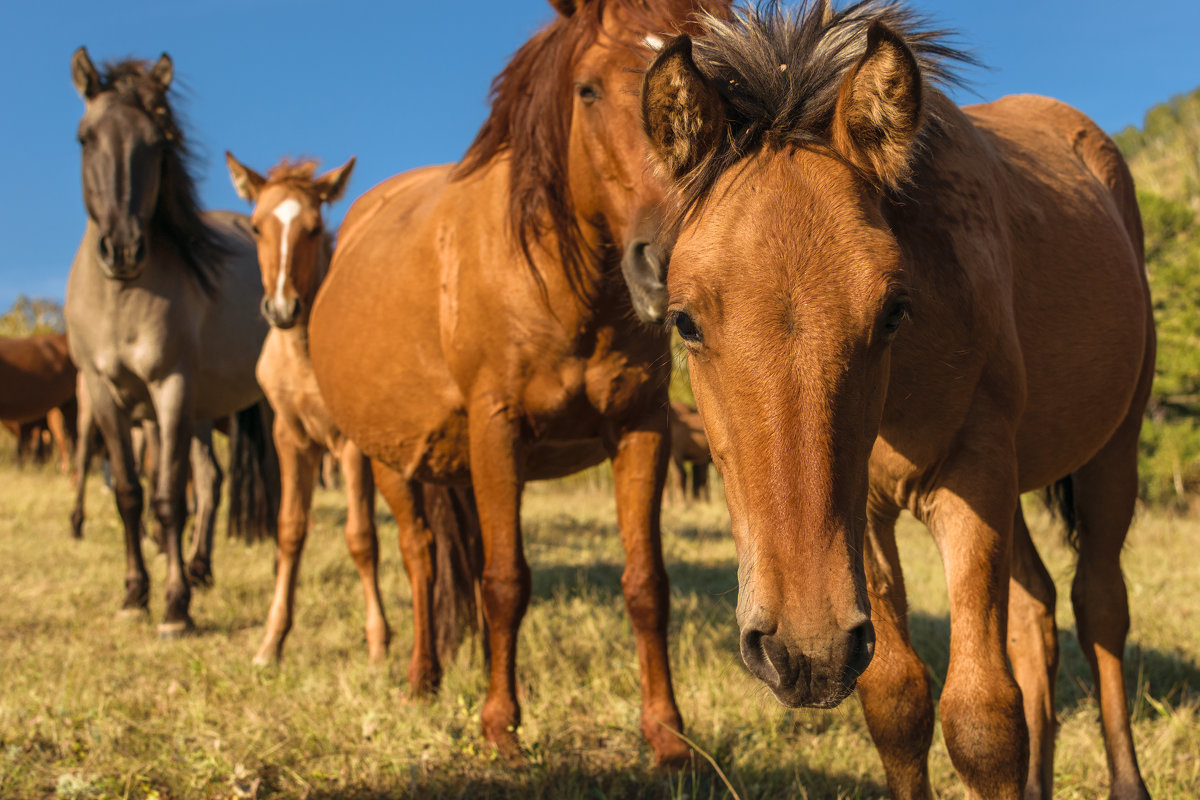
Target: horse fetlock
(137,594)
(500,725)
(199,572)
(663,729)
(987,738)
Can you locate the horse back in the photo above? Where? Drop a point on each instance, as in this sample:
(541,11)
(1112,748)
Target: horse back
(36,374)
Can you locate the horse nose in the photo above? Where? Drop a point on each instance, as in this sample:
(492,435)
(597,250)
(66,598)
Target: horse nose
(281,317)
(106,249)
(768,659)
(645,271)
(135,251)
(861,651)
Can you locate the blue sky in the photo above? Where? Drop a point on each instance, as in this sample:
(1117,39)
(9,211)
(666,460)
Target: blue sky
(404,83)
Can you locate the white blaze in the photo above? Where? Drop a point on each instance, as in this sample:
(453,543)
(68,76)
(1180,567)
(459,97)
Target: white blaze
(285,212)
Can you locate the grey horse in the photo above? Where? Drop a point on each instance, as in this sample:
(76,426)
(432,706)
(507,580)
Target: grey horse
(161,311)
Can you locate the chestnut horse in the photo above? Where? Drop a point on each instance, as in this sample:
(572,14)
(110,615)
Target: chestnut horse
(36,375)
(162,317)
(689,446)
(475,327)
(294,249)
(892,303)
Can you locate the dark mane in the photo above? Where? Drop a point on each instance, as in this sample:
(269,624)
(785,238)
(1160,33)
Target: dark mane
(178,213)
(779,73)
(530,120)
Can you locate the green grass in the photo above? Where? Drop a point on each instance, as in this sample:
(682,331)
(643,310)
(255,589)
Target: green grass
(93,706)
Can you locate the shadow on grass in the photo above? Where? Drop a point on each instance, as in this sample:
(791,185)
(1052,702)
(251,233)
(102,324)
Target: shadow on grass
(697,782)
(1169,678)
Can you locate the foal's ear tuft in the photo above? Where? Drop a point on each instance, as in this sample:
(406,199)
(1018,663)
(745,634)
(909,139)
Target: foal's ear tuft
(84,74)
(682,112)
(331,185)
(878,113)
(163,71)
(565,7)
(246,182)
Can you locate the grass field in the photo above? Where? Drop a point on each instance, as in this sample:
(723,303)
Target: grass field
(94,706)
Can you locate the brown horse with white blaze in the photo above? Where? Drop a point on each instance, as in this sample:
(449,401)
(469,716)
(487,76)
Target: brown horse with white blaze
(476,326)
(892,303)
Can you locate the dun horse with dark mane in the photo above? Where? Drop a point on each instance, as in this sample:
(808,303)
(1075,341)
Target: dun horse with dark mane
(892,303)
(475,327)
(161,315)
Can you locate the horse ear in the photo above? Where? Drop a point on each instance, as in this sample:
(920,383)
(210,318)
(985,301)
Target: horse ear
(163,71)
(246,182)
(878,112)
(331,185)
(682,112)
(565,7)
(84,74)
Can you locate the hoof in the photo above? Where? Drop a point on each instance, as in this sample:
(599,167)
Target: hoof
(199,575)
(176,629)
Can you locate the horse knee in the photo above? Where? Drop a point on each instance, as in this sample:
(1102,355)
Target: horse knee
(647,597)
(130,499)
(506,596)
(983,722)
(363,546)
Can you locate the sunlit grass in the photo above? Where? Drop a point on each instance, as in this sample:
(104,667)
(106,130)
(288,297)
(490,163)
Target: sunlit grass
(94,706)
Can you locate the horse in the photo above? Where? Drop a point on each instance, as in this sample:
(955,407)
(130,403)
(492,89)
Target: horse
(890,302)
(689,445)
(162,318)
(294,250)
(36,374)
(476,328)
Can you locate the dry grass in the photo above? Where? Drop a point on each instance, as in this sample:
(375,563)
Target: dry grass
(91,706)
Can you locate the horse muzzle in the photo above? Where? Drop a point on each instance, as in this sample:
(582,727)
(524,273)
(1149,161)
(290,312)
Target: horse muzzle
(807,671)
(282,315)
(122,259)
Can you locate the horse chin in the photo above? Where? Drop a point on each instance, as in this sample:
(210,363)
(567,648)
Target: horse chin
(123,274)
(799,697)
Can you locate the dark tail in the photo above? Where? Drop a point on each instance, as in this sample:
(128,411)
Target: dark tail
(1060,499)
(454,521)
(253,475)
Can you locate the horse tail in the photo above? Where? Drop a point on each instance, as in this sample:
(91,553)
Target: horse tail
(253,475)
(453,520)
(1060,499)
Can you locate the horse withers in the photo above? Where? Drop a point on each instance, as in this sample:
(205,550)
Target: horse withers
(294,248)
(161,310)
(892,303)
(476,327)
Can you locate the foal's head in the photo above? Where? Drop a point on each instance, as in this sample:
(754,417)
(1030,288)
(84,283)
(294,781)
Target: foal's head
(293,247)
(565,112)
(135,176)
(782,135)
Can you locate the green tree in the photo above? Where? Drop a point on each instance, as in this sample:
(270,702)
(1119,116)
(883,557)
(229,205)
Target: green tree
(30,316)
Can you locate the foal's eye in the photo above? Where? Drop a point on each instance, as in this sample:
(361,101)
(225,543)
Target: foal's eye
(899,311)
(587,93)
(254,229)
(315,232)
(687,328)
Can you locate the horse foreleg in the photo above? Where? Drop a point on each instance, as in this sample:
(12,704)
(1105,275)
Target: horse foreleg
(173,407)
(363,543)
(296,469)
(114,426)
(84,446)
(971,516)
(639,467)
(206,475)
(145,450)
(506,582)
(406,500)
(1033,652)
(58,430)
(894,689)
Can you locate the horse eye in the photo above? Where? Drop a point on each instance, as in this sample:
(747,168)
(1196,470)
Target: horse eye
(900,311)
(687,328)
(315,232)
(254,229)
(587,93)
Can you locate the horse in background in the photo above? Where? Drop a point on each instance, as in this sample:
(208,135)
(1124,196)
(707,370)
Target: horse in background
(689,451)
(892,303)
(36,375)
(294,249)
(162,318)
(477,328)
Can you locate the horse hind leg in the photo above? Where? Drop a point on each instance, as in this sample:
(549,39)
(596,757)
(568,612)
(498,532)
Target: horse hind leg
(207,477)
(1104,493)
(363,543)
(1033,653)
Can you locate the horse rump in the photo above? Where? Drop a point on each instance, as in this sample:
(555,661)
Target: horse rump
(254,487)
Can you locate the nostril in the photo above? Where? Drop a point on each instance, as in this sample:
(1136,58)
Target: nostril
(296,308)
(139,250)
(862,648)
(106,251)
(785,668)
(265,308)
(752,650)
